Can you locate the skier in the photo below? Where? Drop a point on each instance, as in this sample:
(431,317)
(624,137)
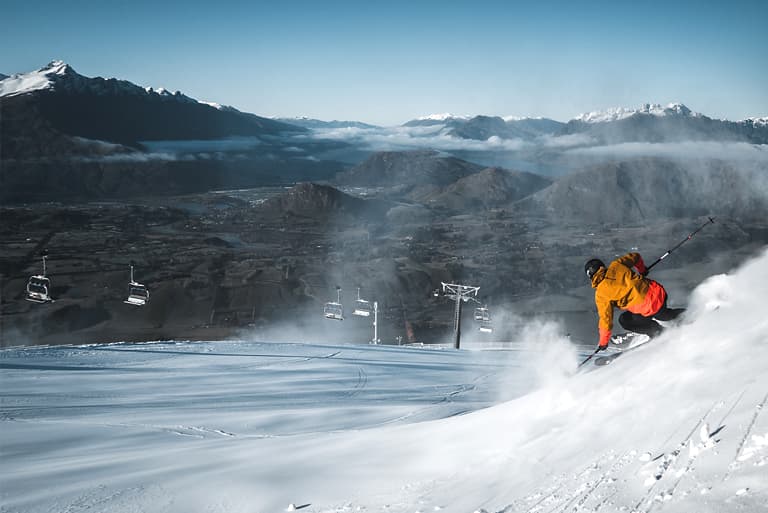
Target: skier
(643,299)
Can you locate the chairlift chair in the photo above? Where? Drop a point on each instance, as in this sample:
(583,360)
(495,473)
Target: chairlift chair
(138,294)
(333,309)
(362,307)
(482,314)
(39,286)
(38,289)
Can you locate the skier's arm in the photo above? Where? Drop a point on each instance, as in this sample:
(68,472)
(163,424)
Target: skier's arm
(605,323)
(633,260)
(605,337)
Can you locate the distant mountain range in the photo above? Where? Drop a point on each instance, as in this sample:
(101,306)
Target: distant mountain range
(317,123)
(44,107)
(648,123)
(483,127)
(64,134)
(673,123)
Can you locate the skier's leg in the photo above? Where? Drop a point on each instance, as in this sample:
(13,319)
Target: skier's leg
(639,324)
(667,314)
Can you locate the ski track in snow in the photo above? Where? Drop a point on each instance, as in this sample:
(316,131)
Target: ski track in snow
(362,382)
(747,432)
(594,488)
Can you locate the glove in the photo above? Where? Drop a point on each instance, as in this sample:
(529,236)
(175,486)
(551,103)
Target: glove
(640,266)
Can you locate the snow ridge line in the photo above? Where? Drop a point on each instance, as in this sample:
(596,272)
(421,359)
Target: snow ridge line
(733,465)
(669,460)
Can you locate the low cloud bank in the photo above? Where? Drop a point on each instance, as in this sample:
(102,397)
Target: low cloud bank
(732,151)
(577,145)
(405,138)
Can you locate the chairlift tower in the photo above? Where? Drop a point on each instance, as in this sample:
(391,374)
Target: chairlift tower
(375,323)
(459,293)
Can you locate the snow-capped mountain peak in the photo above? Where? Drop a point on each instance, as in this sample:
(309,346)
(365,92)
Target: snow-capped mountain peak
(35,80)
(162,91)
(56,67)
(651,109)
(761,122)
(215,105)
(520,118)
(59,76)
(445,116)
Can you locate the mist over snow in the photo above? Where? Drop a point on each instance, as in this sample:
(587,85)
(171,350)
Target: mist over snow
(680,425)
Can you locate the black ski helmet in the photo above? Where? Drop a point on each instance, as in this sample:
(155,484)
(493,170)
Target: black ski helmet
(592,265)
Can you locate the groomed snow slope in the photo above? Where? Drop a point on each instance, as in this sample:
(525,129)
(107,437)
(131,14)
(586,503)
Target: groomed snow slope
(679,425)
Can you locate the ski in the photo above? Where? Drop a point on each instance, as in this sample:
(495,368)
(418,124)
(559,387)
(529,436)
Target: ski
(629,342)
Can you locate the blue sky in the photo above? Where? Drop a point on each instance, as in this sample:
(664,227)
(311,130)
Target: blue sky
(388,62)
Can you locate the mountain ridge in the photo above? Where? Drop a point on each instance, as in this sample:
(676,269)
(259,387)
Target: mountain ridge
(119,111)
(647,123)
(647,189)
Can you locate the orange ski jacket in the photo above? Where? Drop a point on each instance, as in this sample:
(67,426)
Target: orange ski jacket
(619,286)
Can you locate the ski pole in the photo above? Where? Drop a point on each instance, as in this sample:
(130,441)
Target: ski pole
(690,236)
(588,358)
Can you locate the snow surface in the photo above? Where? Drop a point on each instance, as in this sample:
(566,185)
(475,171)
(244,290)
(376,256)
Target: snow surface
(679,425)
